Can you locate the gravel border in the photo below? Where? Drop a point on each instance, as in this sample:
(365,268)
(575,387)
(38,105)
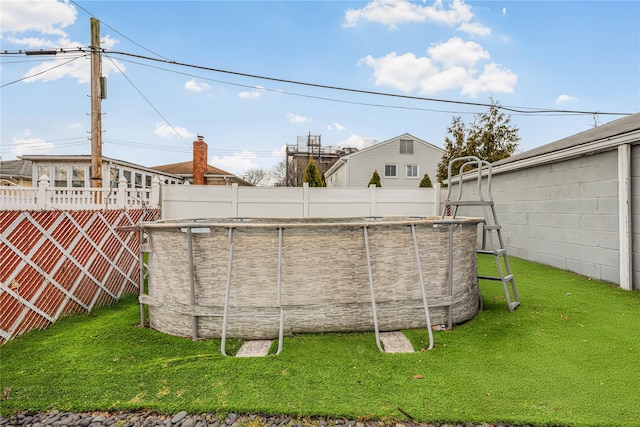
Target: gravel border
(183,419)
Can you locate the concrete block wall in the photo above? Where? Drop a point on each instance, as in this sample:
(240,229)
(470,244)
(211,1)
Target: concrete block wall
(563,214)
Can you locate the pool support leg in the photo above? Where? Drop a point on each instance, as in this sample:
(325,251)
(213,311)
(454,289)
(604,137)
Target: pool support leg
(422,286)
(192,286)
(281,330)
(141,289)
(223,337)
(450,280)
(373,294)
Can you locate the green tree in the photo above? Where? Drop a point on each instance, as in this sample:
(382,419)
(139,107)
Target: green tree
(375,179)
(425,182)
(454,146)
(312,175)
(490,137)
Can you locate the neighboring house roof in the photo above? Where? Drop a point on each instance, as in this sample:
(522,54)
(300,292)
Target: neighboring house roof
(15,169)
(185,169)
(344,159)
(599,138)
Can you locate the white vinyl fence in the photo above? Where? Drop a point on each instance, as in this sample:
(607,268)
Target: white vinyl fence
(44,197)
(191,202)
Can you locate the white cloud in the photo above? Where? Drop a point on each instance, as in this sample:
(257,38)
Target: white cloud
(450,65)
(26,145)
(78,69)
(336,126)
(494,79)
(249,94)
(357,141)
(447,79)
(504,11)
(165,131)
(294,118)
(475,29)
(256,93)
(280,152)
(237,163)
(34,42)
(45,16)
(402,72)
(195,86)
(48,17)
(562,99)
(391,13)
(456,51)
(108,42)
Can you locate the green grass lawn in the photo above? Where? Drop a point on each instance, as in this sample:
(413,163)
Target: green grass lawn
(569,355)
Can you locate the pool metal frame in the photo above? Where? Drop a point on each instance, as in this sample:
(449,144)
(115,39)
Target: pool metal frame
(198,226)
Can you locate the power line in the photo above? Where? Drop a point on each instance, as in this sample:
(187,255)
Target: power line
(322,98)
(42,72)
(114,30)
(170,148)
(253,87)
(512,109)
(523,110)
(148,101)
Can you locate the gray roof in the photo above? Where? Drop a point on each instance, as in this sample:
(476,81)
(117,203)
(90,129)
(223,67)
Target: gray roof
(16,169)
(610,130)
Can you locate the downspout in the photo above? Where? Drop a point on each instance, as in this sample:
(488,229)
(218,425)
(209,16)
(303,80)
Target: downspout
(624,216)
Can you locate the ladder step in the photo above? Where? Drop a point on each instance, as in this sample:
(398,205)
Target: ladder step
(497,252)
(493,227)
(254,348)
(468,203)
(506,278)
(396,342)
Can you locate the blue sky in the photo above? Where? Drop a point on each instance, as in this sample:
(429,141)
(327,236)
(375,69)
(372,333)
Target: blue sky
(572,55)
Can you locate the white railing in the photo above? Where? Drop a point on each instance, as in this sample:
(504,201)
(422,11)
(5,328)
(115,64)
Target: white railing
(191,201)
(45,197)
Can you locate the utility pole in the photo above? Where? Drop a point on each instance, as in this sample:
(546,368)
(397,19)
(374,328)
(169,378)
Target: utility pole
(96,106)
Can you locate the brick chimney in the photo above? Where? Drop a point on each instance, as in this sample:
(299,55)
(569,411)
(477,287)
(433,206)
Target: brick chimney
(199,161)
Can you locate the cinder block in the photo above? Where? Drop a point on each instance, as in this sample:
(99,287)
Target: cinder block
(582,175)
(597,222)
(610,274)
(564,192)
(599,256)
(607,188)
(609,239)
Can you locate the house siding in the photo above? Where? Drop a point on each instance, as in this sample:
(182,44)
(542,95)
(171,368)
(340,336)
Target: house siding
(358,170)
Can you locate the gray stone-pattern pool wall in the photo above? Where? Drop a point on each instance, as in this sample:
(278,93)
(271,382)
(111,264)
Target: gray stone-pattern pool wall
(324,277)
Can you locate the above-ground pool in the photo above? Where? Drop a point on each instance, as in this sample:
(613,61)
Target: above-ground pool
(252,278)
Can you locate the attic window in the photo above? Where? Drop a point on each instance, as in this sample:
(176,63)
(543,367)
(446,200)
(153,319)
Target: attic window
(406,146)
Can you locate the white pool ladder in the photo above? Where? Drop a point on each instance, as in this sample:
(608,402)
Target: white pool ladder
(491,228)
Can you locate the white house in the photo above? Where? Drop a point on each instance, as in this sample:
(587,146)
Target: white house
(401,162)
(74,171)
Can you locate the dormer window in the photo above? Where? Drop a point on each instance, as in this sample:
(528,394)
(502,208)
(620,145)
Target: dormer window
(406,146)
